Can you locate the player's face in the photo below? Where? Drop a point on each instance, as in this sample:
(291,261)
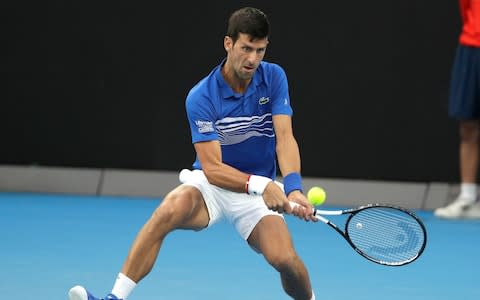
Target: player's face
(245,55)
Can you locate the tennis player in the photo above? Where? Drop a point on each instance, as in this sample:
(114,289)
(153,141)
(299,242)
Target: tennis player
(240,121)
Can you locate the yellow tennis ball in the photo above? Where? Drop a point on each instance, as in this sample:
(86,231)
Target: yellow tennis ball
(316,195)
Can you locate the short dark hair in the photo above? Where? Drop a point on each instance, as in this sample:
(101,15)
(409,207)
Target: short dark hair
(248,20)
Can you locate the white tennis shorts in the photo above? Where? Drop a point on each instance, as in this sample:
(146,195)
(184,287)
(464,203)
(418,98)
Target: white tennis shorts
(244,211)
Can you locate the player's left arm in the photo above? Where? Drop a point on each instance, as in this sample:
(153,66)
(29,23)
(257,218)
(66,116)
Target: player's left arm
(288,155)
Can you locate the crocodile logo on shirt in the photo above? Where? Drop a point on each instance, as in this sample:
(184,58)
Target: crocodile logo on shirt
(263,100)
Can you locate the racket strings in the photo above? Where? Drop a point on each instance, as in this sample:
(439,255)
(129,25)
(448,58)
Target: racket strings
(386,235)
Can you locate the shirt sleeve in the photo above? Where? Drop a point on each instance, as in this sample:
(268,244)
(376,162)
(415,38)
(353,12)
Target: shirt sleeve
(201,118)
(475,8)
(280,95)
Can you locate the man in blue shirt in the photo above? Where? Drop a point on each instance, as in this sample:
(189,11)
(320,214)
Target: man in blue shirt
(240,121)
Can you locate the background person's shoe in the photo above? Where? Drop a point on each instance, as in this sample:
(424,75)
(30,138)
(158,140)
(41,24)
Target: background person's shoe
(460,208)
(473,211)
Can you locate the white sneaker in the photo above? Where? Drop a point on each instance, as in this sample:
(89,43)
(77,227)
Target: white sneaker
(473,212)
(460,208)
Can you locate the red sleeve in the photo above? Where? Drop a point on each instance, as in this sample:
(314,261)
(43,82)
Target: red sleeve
(475,14)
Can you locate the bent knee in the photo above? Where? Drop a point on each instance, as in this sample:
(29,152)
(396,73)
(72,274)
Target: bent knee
(284,261)
(179,207)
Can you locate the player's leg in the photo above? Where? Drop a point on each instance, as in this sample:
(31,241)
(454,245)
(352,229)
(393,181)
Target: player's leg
(272,238)
(182,208)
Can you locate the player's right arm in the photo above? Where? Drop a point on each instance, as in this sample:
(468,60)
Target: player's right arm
(210,156)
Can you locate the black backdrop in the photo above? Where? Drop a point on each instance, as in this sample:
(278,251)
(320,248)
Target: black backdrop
(102,83)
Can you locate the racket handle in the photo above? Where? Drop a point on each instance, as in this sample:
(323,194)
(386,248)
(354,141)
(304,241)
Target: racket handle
(294,204)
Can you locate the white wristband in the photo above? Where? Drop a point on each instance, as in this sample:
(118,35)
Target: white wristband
(256,184)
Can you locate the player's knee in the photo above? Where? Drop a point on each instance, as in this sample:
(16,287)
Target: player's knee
(284,261)
(175,208)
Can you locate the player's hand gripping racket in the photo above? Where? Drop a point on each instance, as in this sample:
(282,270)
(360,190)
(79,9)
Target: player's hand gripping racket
(385,234)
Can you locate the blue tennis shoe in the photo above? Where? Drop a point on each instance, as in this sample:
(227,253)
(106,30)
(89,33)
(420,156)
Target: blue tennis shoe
(80,293)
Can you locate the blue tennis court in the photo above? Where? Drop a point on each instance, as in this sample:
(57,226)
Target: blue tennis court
(50,242)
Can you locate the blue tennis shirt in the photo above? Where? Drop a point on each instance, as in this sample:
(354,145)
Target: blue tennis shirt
(242,123)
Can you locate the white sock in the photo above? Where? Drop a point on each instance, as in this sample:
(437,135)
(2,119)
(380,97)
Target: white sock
(313,296)
(123,286)
(468,191)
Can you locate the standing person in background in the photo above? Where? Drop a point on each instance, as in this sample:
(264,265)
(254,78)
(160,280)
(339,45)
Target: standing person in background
(240,121)
(465,107)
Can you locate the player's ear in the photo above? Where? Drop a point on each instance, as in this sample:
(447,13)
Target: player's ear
(227,43)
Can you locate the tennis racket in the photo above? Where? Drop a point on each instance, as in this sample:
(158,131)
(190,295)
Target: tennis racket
(382,233)
(385,234)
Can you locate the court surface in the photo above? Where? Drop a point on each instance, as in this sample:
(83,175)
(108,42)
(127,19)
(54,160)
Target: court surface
(50,243)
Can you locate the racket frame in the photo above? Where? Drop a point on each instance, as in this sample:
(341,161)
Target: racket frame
(353,211)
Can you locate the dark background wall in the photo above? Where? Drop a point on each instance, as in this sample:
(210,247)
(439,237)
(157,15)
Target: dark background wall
(102,83)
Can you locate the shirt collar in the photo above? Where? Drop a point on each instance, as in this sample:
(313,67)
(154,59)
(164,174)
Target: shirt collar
(227,92)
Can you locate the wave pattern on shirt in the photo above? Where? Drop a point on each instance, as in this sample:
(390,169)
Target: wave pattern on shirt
(234,130)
